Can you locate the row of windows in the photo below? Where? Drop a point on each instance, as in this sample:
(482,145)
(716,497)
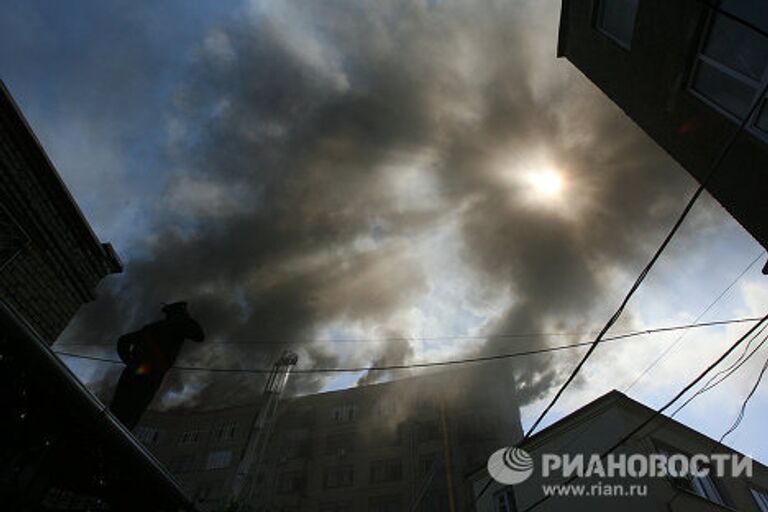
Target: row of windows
(731,66)
(380,471)
(389,503)
(220,433)
(218,459)
(384,408)
(347,442)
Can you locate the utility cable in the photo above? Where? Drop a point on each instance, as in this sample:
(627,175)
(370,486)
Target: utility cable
(701,315)
(713,168)
(659,412)
(743,409)
(435,363)
(726,372)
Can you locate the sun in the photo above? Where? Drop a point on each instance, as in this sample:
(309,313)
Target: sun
(546,183)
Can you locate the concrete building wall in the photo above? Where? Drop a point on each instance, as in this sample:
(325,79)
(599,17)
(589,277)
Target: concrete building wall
(366,448)
(50,261)
(651,82)
(595,429)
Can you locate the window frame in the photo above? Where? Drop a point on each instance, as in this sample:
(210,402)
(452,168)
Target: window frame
(384,471)
(508,495)
(218,459)
(693,483)
(751,124)
(756,490)
(347,470)
(597,25)
(189,437)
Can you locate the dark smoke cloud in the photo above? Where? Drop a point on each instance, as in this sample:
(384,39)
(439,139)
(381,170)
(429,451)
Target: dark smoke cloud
(281,216)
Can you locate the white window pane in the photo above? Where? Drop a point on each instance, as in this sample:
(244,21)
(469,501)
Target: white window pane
(725,90)
(761,498)
(710,490)
(738,47)
(617,18)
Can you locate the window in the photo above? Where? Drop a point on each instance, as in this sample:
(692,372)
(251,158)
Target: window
(427,464)
(504,501)
(389,503)
(435,500)
(189,437)
(385,436)
(335,506)
(342,476)
(219,459)
(732,64)
(147,435)
(344,413)
(386,408)
(295,449)
(340,444)
(183,464)
(205,491)
(427,431)
(761,497)
(225,431)
(290,482)
(616,19)
(390,470)
(703,486)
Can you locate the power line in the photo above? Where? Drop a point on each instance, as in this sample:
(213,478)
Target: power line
(743,409)
(658,412)
(728,371)
(379,340)
(701,315)
(435,363)
(611,321)
(256,343)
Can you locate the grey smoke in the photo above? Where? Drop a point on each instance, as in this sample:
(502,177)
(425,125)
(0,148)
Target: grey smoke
(280,218)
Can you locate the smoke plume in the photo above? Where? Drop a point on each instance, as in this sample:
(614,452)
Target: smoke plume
(321,154)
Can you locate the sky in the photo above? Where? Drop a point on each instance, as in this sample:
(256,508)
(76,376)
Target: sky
(309,174)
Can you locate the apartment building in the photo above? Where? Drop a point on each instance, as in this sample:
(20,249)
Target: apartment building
(594,429)
(687,72)
(401,445)
(50,260)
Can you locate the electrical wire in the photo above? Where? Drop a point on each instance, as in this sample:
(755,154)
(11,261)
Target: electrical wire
(435,363)
(382,340)
(726,372)
(659,412)
(611,321)
(743,409)
(701,315)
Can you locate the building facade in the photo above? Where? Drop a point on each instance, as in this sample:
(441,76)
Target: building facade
(688,75)
(50,260)
(403,445)
(59,448)
(594,429)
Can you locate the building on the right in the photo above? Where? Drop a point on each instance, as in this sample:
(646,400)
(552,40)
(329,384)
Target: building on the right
(687,72)
(575,465)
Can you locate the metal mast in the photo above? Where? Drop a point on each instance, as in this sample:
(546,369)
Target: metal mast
(244,482)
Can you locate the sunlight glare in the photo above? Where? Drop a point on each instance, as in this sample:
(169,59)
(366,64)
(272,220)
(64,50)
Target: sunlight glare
(546,183)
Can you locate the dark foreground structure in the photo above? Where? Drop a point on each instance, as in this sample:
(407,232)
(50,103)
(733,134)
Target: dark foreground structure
(60,449)
(687,74)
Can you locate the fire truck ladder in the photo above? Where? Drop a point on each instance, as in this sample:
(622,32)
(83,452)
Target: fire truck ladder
(244,483)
